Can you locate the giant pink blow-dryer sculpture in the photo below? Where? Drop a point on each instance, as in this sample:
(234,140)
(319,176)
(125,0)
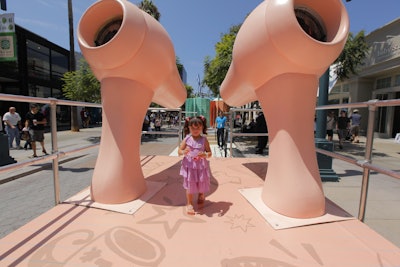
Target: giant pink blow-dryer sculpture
(281,50)
(132,56)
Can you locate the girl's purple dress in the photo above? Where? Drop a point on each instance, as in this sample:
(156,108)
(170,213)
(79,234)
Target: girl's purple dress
(195,170)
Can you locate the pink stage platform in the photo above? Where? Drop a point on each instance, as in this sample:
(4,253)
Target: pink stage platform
(229,231)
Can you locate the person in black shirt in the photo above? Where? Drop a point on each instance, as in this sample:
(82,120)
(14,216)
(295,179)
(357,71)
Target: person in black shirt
(343,126)
(35,122)
(261,127)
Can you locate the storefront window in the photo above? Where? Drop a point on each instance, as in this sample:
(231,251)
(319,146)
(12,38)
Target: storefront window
(9,69)
(39,91)
(335,90)
(59,65)
(397,80)
(38,60)
(333,101)
(57,93)
(383,83)
(13,90)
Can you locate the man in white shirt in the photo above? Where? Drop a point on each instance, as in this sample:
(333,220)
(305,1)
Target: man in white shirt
(12,121)
(355,125)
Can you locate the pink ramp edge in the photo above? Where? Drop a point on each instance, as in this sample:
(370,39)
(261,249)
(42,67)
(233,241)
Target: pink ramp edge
(132,56)
(277,62)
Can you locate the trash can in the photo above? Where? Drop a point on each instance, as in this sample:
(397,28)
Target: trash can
(325,162)
(5,158)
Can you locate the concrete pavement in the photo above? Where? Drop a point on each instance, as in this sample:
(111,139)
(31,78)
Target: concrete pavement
(382,213)
(382,208)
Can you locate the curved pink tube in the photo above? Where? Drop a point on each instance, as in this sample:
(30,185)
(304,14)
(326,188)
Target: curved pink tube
(278,61)
(132,56)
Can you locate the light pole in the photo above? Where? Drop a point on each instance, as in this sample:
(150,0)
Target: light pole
(3,5)
(72,66)
(71,37)
(199,85)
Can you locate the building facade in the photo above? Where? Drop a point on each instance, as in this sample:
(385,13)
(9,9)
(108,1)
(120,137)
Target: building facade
(378,78)
(37,72)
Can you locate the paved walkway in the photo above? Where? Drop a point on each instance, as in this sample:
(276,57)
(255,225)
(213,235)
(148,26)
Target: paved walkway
(382,208)
(382,213)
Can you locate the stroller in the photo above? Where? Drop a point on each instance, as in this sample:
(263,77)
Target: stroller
(24,135)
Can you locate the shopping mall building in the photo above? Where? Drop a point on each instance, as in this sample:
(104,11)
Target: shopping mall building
(378,78)
(37,71)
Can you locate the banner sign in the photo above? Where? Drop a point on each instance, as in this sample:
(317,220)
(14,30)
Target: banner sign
(8,50)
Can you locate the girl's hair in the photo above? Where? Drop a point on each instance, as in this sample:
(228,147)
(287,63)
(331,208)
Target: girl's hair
(198,120)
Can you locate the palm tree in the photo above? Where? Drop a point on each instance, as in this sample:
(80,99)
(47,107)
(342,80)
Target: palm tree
(148,7)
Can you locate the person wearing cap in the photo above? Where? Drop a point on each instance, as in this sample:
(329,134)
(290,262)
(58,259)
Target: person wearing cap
(355,125)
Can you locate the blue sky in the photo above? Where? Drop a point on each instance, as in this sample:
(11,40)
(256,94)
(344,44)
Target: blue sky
(193,25)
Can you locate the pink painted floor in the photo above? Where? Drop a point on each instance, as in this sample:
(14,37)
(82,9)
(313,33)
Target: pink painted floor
(228,231)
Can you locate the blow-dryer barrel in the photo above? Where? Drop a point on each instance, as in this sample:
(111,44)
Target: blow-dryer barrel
(132,56)
(291,36)
(120,40)
(281,50)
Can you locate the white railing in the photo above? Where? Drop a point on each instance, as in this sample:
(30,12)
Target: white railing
(55,154)
(365,164)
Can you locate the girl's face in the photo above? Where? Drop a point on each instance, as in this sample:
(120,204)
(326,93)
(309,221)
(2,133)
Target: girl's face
(196,129)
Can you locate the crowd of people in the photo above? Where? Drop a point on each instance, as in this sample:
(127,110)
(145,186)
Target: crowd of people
(31,131)
(347,127)
(259,125)
(31,127)
(155,120)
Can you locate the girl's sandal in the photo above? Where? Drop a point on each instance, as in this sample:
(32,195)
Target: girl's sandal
(190,210)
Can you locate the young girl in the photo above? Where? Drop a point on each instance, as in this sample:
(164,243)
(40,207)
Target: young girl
(195,168)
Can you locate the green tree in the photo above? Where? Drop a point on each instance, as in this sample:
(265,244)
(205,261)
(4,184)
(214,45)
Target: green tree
(81,85)
(151,9)
(352,56)
(189,90)
(215,69)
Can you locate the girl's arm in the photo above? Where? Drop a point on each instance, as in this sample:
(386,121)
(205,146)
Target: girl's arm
(182,149)
(207,153)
